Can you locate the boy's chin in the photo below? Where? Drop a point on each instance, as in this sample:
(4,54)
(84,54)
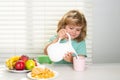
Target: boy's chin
(72,38)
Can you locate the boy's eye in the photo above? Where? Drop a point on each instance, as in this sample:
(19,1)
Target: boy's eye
(78,29)
(71,27)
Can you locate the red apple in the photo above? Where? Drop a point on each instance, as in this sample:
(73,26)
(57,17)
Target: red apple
(20,65)
(24,58)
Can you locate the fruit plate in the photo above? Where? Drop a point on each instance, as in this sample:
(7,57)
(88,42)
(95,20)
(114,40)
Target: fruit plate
(18,71)
(32,78)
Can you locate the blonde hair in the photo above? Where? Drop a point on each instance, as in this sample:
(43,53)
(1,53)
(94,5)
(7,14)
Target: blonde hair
(74,17)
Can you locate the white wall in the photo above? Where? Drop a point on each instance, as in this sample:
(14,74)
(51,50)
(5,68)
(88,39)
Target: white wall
(106,31)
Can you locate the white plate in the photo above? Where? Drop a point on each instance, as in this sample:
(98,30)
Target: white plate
(18,71)
(29,76)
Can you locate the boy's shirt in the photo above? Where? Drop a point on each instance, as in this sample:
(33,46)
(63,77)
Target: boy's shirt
(80,47)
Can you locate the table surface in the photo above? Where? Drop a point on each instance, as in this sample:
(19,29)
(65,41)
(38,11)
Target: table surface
(66,72)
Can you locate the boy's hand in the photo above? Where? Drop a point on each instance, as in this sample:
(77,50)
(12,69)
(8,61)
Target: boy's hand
(68,57)
(62,34)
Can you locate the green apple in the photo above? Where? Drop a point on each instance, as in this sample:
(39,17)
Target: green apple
(30,64)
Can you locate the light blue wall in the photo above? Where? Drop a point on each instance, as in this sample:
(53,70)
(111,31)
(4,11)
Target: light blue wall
(106,30)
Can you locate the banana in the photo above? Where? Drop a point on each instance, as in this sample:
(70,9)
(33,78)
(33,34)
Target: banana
(10,63)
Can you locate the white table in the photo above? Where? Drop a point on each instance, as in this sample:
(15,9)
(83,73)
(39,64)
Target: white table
(66,72)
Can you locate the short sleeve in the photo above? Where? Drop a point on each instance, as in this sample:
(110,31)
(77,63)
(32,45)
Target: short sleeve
(52,38)
(80,48)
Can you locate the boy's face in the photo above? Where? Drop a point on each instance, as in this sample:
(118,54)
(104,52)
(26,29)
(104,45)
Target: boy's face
(74,31)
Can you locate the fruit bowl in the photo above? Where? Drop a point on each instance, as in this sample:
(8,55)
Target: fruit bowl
(21,63)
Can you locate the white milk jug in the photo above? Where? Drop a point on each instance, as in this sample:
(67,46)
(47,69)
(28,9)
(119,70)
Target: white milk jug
(57,51)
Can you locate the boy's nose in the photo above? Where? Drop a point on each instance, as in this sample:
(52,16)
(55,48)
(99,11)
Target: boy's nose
(74,31)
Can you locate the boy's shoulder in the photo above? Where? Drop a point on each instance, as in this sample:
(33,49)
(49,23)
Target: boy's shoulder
(74,41)
(53,37)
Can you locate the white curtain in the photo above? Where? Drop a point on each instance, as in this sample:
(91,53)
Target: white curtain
(26,25)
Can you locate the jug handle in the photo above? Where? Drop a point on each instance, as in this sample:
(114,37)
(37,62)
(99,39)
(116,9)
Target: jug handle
(59,40)
(69,41)
(69,38)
